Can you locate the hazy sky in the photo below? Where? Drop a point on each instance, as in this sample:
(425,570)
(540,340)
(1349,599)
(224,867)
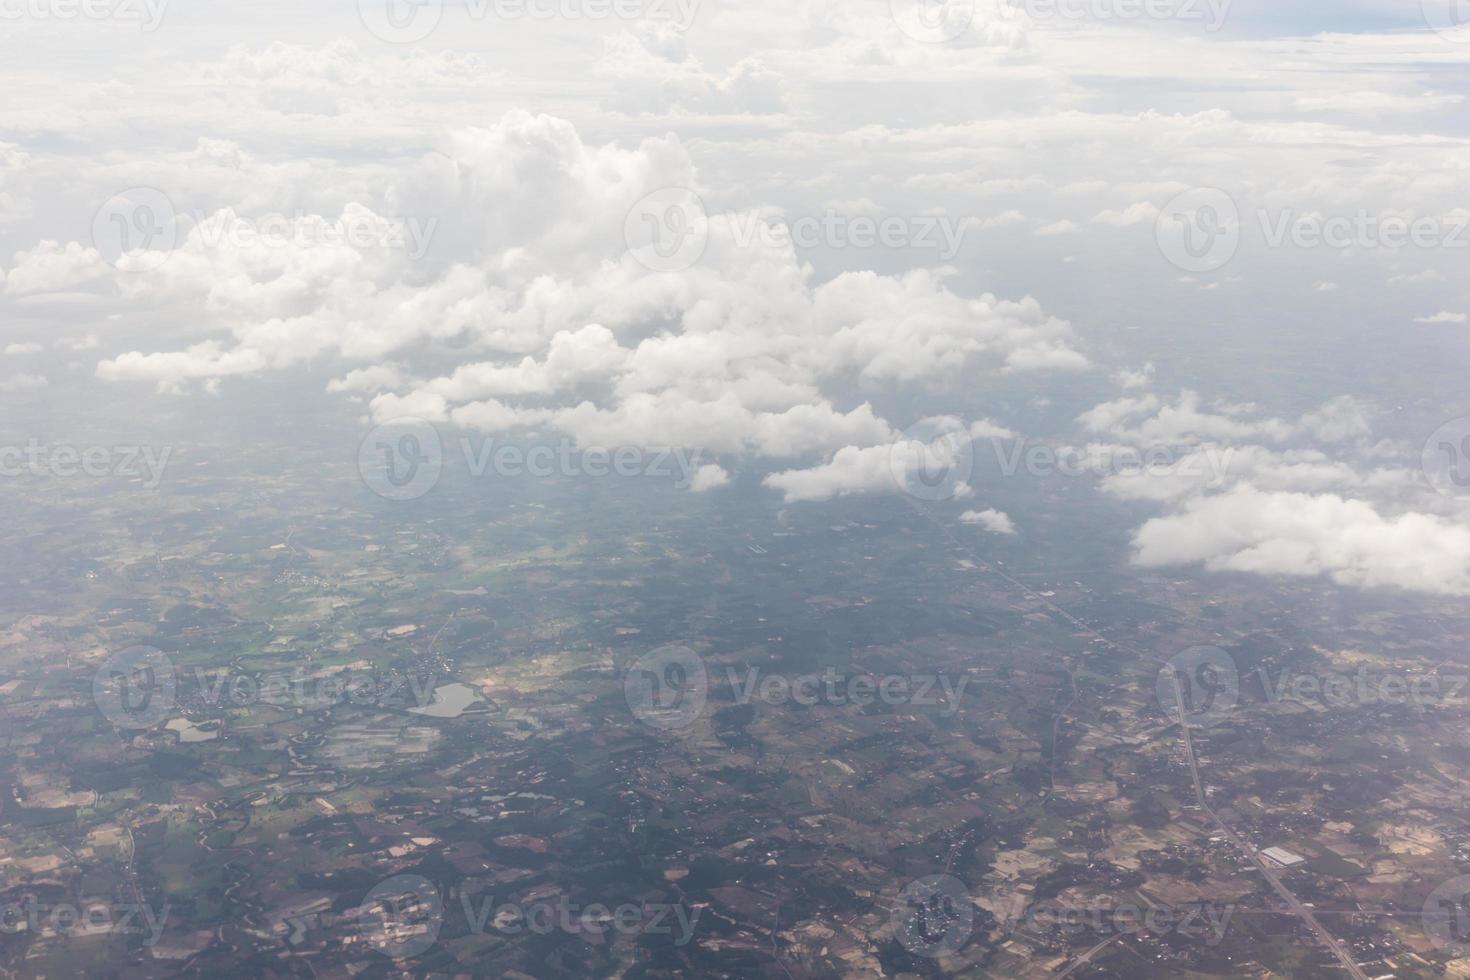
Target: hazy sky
(784,233)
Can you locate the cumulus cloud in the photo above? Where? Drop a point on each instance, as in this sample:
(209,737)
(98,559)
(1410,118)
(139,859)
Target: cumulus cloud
(850,470)
(1143,212)
(1245,492)
(169,369)
(992,520)
(553,324)
(369,379)
(1146,421)
(1140,378)
(1285,533)
(708,477)
(986,429)
(1054,228)
(50,266)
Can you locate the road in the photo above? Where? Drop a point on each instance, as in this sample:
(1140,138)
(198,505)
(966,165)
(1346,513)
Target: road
(1086,957)
(1292,902)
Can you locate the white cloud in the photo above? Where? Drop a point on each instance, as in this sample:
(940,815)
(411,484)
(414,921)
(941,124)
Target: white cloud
(1342,419)
(1062,227)
(168,370)
(851,470)
(708,477)
(1443,317)
(1143,212)
(377,378)
(1283,533)
(1156,424)
(1141,378)
(986,429)
(991,519)
(51,266)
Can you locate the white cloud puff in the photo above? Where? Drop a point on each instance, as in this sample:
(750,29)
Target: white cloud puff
(1285,533)
(992,520)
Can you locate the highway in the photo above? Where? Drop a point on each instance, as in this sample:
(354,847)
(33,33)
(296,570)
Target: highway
(1292,902)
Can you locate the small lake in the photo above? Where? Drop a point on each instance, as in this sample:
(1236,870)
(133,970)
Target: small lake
(450,701)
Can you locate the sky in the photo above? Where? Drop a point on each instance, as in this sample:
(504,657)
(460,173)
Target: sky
(1226,237)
